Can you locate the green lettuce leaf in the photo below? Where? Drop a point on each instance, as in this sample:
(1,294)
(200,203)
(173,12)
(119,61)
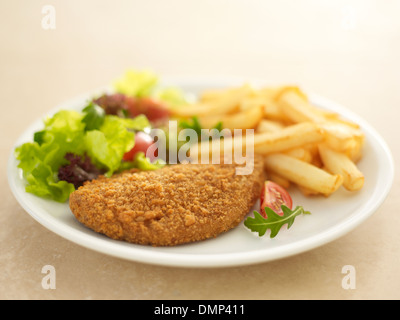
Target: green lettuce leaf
(141,162)
(172,96)
(42,183)
(136,83)
(69,132)
(141,84)
(94,116)
(40,160)
(107,146)
(139,123)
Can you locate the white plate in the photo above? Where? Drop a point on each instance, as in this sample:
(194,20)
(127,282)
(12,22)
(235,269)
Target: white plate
(331,217)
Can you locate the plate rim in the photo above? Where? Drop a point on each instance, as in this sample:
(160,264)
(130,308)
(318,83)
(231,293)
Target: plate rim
(143,255)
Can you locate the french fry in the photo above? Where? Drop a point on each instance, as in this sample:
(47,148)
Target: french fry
(269,126)
(296,106)
(294,89)
(316,161)
(248,119)
(340,134)
(229,103)
(307,192)
(341,137)
(266,98)
(226,103)
(338,163)
(285,183)
(212,94)
(303,173)
(264,143)
(268,93)
(335,118)
(312,148)
(354,152)
(251,102)
(216,147)
(328,115)
(297,109)
(288,138)
(272,111)
(198,109)
(300,153)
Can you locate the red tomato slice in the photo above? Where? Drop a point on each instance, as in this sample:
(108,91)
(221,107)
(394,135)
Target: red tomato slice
(274,196)
(142,142)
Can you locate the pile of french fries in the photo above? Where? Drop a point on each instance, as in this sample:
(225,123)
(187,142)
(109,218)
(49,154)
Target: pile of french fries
(312,148)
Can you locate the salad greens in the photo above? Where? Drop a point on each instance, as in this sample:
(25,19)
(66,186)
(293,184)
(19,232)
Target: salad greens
(140,84)
(142,163)
(104,138)
(79,170)
(76,146)
(274,221)
(136,83)
(172,96)
(196,125)
(94,117)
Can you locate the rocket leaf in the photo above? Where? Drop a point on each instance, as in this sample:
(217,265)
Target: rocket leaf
(274,222)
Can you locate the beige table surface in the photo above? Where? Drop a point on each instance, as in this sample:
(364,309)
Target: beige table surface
(348,51)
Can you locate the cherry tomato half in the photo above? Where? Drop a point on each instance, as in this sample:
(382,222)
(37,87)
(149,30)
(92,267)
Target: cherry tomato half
(142,142)
(274,196)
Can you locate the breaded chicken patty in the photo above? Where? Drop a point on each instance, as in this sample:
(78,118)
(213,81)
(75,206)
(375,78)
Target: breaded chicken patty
(174,205)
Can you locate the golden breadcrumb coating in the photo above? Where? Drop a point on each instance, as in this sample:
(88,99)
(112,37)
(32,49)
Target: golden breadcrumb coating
(174,205)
